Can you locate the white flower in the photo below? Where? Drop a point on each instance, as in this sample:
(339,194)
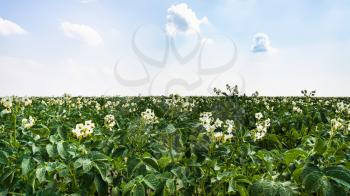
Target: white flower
(218,123)
(259,135)
(206,121)
(209,127)
(336,124)
(108,104)
(6,111)
(258,115)
(261,128)
(97,106)
(228,137)
(6,102)
(218,135)
(297,109)
(109,121)
(26,101)
(229,125)
(28,123)
(149,117)
(84,130)
(206,118)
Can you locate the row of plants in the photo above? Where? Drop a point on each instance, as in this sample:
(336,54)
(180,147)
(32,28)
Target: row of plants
(229,144)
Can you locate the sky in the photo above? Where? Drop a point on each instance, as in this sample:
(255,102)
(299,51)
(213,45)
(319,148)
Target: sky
(159,47)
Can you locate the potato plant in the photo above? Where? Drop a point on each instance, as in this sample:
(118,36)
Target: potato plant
(228,144)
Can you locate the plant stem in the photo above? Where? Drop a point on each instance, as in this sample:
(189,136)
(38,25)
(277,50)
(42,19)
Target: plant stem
(171,148)
(14,121)
(74,178)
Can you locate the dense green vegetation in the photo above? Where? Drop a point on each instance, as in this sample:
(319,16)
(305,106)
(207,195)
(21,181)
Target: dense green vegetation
(223,145)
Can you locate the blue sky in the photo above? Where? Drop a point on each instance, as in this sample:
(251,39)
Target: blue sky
(84,47)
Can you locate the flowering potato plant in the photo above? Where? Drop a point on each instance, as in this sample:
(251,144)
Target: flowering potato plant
(229,144)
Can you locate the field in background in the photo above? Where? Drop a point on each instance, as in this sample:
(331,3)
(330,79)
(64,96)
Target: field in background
(175,145)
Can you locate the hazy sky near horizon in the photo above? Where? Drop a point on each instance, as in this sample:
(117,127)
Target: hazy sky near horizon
(152,47)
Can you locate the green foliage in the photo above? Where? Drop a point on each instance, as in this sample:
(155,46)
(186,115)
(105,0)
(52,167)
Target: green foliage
(272,188)
(331,180)
(305,150)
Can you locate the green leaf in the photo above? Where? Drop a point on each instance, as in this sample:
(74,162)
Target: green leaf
(316,180)
(101,186)
(170,129)
(170,185)
(164,161)
(339,174)
(242,178)
(85,163)
(98,156)
(62,133)
(50,149)
(273,188)
(4,177)
(242,190)
(327,188)
(26,166)
(152,182)
(297,173)
(103,170)
(313,182)
(138,190)
(291,155)
(54,139)
(231,186)
(3,157)
(127,187)
(152,162)
(312,178)
(40,174)
(115,191)
(62,150)
(131,163)
(320,146)
(223,175)
(3,191)
(136,167)
(41,130)
(339,190)
(262,187)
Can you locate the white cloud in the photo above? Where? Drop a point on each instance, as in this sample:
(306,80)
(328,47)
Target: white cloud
(10,28)
(82,32)
(182,19)
(261,43)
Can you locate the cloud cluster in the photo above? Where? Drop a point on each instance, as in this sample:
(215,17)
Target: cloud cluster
(81,32)
(10,28)
(182,19)
(261,43)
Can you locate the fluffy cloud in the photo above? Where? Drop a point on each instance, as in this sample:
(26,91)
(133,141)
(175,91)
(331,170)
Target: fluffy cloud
(9,28)
(261,43)
(82,32)
(182,19)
